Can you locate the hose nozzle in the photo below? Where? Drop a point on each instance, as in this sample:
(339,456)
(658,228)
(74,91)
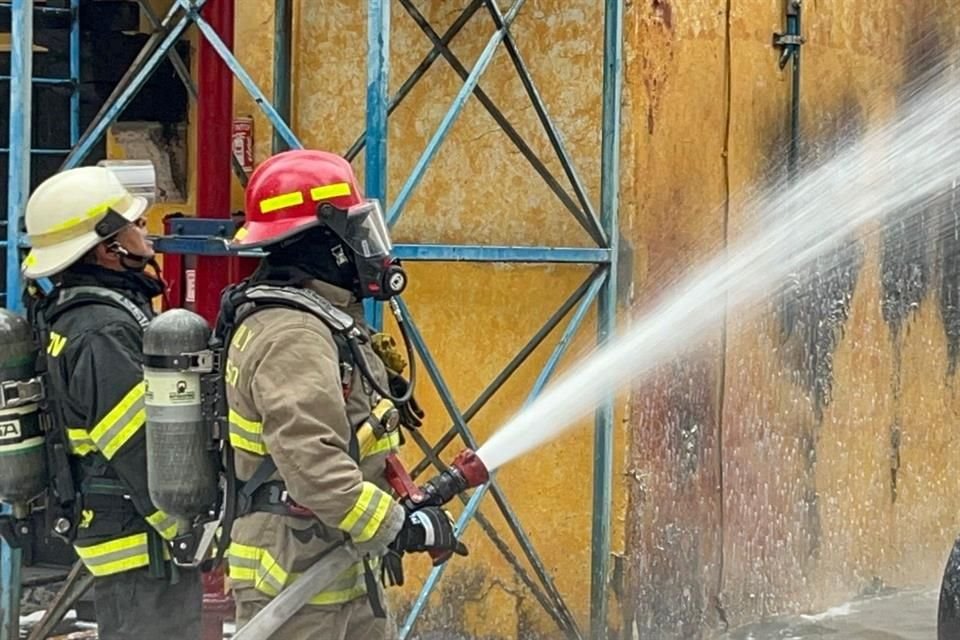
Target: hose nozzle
(466,471)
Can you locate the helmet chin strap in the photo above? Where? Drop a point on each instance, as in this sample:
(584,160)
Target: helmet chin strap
(130,261)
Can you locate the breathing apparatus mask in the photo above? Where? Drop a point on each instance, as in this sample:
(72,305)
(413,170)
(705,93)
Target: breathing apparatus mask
(364,232)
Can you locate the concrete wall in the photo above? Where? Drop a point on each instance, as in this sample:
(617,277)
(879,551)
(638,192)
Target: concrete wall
(749,482)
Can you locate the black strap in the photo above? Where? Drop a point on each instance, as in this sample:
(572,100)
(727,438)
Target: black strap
(247,490)
(155,547)
(103,487)
(266,469)
(373,591)
(230,503)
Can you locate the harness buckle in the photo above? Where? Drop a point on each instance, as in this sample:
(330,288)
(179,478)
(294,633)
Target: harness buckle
(16,393)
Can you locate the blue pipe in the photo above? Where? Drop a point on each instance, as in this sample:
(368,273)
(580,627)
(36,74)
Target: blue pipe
(53,81)
(472,505)
(499,253)
(377,134)
(607,313)
(75,72)
(203,245)
(561,348)
(53,11)
(18,188)
(445,125)
(279,124)
(21,104)
(41,152)
(556,140)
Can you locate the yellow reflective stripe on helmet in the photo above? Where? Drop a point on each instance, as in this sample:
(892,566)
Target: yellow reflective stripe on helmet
(259,568)
(283,201)
(122,422)
(165,524)
(80,442)
(80,224)
(326,192)
(367,514)
(115,556)
(246,435)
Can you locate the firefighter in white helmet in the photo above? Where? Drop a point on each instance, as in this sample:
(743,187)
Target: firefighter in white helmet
(88,235)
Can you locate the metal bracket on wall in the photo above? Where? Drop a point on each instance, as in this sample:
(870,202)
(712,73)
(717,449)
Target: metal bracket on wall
(791,41)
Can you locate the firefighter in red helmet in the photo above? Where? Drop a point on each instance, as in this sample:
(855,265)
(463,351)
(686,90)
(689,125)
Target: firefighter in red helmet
(311,423)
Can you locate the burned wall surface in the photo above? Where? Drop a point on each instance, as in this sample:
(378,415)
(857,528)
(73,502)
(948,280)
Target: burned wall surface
(829,457)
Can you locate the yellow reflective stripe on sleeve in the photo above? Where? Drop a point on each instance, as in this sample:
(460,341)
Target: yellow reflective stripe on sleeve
(165,524)
(115,556)
(246,435)
(80,442)
(370,445)
(334,190)
(283,201)
(364,519)
(258,567)
(121,423)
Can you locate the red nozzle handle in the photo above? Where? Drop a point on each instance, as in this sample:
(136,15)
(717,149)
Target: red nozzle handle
(471,467)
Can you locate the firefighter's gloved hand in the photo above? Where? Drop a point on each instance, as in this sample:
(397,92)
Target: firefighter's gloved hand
(411,415)
(428,529)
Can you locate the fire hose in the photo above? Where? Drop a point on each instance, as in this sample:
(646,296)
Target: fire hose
(467,471)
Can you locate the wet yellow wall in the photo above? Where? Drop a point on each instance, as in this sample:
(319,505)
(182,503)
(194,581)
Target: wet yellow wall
(738,494)
(754,489)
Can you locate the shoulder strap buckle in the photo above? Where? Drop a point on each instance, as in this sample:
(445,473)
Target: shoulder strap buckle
(203,361)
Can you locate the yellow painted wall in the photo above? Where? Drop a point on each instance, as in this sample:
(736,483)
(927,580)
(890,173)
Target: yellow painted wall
(474,317)
(719,455)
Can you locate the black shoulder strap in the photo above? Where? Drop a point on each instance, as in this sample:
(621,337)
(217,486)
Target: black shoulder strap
(73,297)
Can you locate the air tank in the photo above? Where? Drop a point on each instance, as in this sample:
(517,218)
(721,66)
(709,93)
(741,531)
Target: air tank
(23,465)
(181,463)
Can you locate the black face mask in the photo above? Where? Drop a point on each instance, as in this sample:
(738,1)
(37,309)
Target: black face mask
(379,274)
(321,254)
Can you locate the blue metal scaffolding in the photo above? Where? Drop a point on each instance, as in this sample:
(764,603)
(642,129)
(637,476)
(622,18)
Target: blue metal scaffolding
(200,236)
(20,152)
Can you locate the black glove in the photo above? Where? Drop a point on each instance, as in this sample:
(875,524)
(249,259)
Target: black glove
(411,415)
(391,568)
(428,529)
